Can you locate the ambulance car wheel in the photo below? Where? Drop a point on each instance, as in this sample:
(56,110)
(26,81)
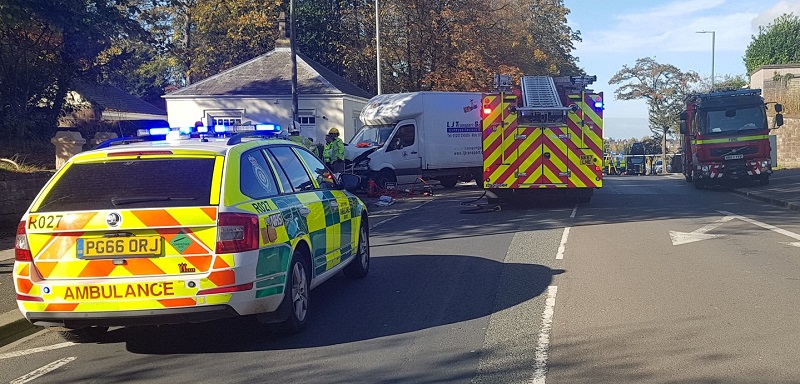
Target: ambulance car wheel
(84,335)
(359,267)
(297,296)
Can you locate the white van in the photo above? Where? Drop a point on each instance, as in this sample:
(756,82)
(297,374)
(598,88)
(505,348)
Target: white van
(429,135)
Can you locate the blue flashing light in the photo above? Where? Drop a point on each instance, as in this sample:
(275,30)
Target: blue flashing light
(202,129)
(220,128)
(268,127)
(185,130)
(158,131)
(598,103)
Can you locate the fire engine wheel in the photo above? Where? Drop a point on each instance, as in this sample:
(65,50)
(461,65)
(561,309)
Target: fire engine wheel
(359,267)
(688,177)
(84,335)
(699,184)
(297,296)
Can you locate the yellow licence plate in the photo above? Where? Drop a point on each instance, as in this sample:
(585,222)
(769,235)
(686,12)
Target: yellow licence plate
(120,246)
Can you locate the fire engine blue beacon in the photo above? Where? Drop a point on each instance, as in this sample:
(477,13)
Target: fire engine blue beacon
(598,103)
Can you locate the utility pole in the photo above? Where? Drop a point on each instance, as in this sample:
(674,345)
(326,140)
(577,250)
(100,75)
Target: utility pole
(377,43)
(293,48)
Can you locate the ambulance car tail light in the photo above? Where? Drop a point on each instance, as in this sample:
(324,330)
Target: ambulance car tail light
(22,297)
(235,288)
(237,232)
(22,251)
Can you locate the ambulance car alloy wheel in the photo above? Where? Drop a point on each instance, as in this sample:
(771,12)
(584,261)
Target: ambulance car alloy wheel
(359,267)
(84,335)
(296,295)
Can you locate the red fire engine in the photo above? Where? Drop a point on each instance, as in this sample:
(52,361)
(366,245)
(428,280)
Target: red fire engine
(726,138)
(545,137)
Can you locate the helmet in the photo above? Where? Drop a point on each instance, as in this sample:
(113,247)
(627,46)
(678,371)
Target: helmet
(333,131)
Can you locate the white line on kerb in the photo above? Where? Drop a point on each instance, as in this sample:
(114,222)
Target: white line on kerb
(563,246)
(543,344)
(9,355)
(42,371)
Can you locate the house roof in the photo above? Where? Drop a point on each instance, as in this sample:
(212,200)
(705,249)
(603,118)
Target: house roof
(271,74)
(113,99)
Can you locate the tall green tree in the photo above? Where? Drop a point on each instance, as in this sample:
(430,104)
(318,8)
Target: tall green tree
(662,86)
(777,43)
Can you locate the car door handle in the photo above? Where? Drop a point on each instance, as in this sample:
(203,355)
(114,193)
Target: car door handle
(414,152)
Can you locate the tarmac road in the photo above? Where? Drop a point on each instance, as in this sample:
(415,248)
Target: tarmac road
(653,281)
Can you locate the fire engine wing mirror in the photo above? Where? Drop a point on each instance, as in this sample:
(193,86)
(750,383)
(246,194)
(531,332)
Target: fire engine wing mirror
(778,108)
(683,127)
(684,116)
(778,120)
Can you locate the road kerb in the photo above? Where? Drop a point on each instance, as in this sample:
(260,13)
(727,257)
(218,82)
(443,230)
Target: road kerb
(13,327)
(770,200)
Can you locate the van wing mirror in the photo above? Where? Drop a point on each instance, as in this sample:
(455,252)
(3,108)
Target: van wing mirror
(778,120)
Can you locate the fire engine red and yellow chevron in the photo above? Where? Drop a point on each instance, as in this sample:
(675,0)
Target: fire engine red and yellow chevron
(542,155)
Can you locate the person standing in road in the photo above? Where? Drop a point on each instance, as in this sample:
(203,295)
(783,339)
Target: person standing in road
(334,151)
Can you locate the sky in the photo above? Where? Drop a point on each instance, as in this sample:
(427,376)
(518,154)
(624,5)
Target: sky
(616,33)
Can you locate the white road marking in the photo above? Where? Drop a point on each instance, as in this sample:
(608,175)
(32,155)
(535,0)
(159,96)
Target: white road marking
(42,371)
(398,212)
(543,344)
(764,225)
(698,234)
(574,211)
(9,355)
(563,246)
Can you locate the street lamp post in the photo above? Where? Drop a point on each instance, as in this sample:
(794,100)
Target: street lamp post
(713,38)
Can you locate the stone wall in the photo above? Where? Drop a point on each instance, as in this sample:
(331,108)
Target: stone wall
(17,191)
(788,138)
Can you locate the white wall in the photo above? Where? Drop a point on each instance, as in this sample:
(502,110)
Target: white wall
(334,111)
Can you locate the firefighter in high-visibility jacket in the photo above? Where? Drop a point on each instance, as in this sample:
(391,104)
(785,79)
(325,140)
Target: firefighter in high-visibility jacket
(334,151)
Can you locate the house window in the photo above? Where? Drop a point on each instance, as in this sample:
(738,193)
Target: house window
(229,121)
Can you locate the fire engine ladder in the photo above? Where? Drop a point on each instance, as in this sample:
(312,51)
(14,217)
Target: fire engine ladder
(539,94)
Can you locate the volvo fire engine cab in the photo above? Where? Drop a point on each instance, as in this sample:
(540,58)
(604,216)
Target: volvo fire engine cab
(726,138)
(544,137)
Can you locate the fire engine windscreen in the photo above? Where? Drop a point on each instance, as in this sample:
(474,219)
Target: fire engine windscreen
(372,135)
(732,119)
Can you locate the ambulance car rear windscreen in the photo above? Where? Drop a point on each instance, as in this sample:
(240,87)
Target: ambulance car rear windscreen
(130,184)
